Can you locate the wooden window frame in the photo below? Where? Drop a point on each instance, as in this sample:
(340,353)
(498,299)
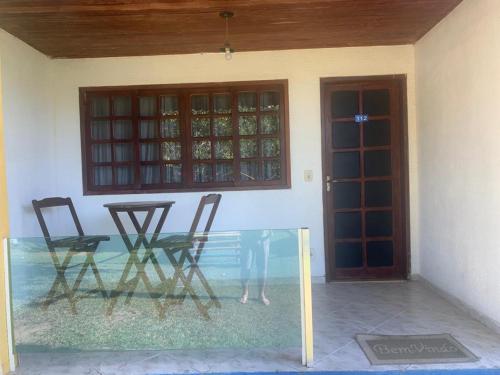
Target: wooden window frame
(183,92)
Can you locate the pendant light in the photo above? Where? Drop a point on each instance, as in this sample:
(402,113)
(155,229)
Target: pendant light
(228,51)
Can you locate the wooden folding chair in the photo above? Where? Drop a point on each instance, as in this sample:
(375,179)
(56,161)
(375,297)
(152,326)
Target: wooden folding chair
(184,244)
(80,244)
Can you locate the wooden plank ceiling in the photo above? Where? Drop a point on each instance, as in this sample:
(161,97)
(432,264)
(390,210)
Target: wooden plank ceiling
(99,28)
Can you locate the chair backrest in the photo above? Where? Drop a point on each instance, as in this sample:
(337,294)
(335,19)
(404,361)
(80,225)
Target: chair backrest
(206,200)
(55,202)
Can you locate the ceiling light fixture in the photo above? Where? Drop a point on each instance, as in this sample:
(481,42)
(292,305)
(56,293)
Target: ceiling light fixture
(228,51)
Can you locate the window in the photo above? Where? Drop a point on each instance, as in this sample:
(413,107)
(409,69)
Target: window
(228,136)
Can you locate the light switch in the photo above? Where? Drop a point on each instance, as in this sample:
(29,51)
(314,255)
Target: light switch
(308,175)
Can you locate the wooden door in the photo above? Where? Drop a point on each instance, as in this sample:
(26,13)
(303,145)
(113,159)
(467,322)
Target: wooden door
(364,178)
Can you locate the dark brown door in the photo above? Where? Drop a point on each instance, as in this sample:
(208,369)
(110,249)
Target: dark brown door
(364,179)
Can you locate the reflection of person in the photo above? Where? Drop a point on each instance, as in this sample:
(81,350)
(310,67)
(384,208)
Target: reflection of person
(254,247)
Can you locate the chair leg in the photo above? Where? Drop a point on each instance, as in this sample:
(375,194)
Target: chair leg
(98,278)
(61,279)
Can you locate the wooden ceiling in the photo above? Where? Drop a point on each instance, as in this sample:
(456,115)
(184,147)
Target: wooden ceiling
(99,28)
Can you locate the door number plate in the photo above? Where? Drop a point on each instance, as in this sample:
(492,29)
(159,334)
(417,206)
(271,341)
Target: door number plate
(360,118)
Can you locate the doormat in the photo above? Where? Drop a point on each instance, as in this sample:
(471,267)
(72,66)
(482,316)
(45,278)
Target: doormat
(414,349)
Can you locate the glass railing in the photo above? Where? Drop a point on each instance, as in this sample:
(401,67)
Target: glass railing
(236,289)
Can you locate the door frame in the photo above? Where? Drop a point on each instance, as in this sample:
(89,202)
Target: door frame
(405,179)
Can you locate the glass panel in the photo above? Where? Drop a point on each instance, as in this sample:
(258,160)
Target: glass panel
(101,153)
(269,124)
(103,176)
(171,150)
(100,130)
(150,174)
(122,105)
(248,148)
(378,163)
(249,170)
(172,173)
(223,126)
(271,170)
(99,106)
(376,102)
(378,193)
(377,133)
(248,125)
(124,152)
(200,127)
(199,105)
(122,129)
(270,101)
(202,172)
(147,106)
(270,147)
(202,150)
(349,255)
(223,172)
(347,225)
(124,175)
(346,165)
(345,134)
(346,195)
(169,105)
(379,254)
(148,129)
(247,102)
(224,149)
(379,223)
(169,128)
(149,152)
(345,103)
(222,103)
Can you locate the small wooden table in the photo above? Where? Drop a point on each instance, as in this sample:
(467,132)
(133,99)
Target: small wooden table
(131,208)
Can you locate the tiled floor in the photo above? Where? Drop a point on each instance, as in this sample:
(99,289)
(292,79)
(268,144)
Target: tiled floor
(340,311)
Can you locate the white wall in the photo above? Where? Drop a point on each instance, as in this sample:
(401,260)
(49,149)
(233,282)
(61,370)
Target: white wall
(297,207)
(458,91)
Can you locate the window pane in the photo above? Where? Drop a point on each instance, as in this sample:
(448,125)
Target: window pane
(379,254)
(378,223)
(99,106)
(202,172)
(223,126)
(269,124)
(346,165)
(150,174)
(224,149)
(223,172)
(346,195)
(172,173)
(376,102)
(270,147)
(345,134)
(222,103)
(147,106)
(377,133)
(122,129)
(271,170)
(347,225)
(124,152)
(199,105)
(202,150)
(171,150)
(378,193)
(149,151)
(349,255)
(169,128)
(247,102)
(148,129)
(377,163)
(248,148)
(100,130)
(103,176)
(200,127)
(124,175)
(345,103)
(101,153)
(122,105)
(169,105)
(270,101)
(249,170)
(248,125)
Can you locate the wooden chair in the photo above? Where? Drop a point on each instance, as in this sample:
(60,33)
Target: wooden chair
(80,244)
(184,244)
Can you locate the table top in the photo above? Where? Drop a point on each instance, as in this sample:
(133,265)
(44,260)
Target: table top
(136,206)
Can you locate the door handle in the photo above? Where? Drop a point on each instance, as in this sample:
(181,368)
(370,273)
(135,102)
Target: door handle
(328,183)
